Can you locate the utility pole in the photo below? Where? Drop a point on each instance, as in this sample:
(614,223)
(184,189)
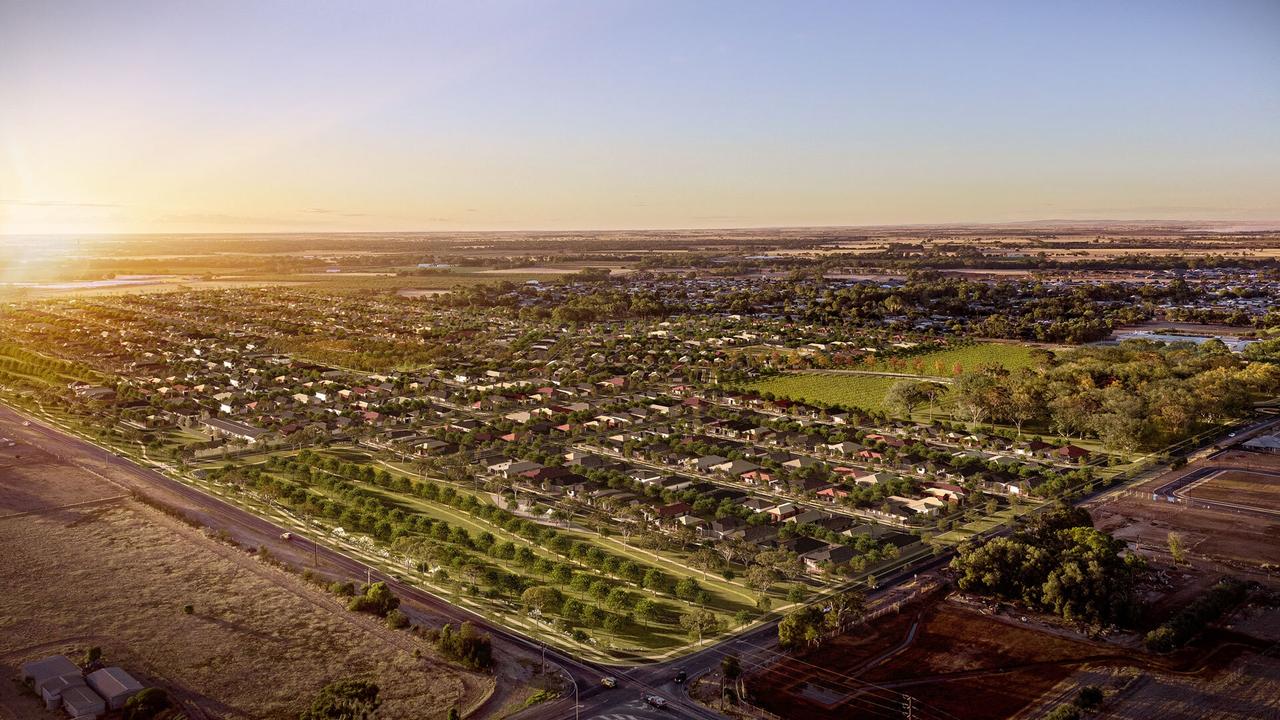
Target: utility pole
(908,707)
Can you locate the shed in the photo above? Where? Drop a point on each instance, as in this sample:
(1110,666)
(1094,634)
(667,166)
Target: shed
(54,687)
(114,684)
(80,702)
(40,672)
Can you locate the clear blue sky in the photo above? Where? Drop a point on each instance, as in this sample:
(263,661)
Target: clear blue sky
(231,116)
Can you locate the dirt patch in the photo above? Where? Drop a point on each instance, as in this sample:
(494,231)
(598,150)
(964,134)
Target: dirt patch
(1224,540)
(1242,487)
(32,480)
(959,662)
(259,644)
(1246,690)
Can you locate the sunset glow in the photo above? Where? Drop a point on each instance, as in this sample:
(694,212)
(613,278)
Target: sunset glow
(229,117)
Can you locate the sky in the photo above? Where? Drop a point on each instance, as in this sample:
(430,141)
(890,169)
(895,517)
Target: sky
(291,116)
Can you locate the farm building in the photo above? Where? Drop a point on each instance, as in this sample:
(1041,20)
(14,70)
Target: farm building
(114,684)
(81,702)
(47,672)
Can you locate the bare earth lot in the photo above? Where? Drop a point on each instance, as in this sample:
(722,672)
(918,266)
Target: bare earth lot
(1242,487)
(958,662)
(117,573)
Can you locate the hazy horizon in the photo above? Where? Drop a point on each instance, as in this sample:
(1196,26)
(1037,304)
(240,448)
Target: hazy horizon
(153,118)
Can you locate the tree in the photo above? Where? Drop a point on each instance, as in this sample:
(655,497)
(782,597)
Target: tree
(1176,549)
(699,622)
(344,700)
(376,600)
(976,395)
(843,607)
(647,610)
(904,396)
(706,560)
(800,629)
(760,578)
(731,670)
(689,589)
(543,599)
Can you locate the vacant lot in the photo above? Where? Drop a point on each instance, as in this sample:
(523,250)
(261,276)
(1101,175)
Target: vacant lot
(116,574)
(1220,539)
(957,662)
(1242,487)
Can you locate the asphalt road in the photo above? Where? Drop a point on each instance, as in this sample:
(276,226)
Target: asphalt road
(250,530)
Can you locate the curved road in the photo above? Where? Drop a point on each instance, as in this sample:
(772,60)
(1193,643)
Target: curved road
(626,702)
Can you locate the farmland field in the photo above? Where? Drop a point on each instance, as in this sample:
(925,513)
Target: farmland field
(943,363)
(864,391)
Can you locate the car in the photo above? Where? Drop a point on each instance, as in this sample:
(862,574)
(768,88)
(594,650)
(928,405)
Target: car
(655,701)
(609,682)
(286,536)
(26,423)
(681,676)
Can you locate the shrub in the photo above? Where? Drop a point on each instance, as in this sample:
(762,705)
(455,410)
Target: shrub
(1090,696)
(377,599)
(147,704)
(1188,622)
(1064,712)
(397,620)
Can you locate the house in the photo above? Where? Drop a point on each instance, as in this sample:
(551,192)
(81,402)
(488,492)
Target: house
(230,428)
(736,468)
(832,494)
(784,511)
(799,462)
(758,535)
(1070,453)
(831,555)
(845,448)
(707,462)
(114,685)
(809,516)
(876,478)
(723,526)
(672,511)
(512,468)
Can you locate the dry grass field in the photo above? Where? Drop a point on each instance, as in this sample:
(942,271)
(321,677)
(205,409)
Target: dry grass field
(116,574)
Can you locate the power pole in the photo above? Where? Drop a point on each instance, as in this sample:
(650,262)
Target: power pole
(908,707)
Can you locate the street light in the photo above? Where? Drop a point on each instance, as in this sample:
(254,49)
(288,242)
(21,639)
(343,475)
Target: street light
(576,710)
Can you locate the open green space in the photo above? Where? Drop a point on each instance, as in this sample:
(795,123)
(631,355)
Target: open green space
(945,363)
(863,391)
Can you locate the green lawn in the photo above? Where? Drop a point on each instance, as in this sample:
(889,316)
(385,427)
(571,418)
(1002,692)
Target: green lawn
(943,363)
(864,391)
